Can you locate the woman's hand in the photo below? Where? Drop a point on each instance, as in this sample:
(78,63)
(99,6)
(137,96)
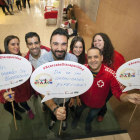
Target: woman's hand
(9,96)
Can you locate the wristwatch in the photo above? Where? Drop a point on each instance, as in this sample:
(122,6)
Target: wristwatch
(55,108)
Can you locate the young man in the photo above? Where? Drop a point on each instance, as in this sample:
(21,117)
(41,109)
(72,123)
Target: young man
(95,97)
(36,50)
(58,44)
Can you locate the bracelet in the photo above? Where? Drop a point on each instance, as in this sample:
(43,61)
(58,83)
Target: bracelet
(55,108)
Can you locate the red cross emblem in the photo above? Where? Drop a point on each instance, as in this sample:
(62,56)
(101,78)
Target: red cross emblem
(100,83)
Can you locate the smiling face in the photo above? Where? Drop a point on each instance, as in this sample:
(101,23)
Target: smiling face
(59,46)
(13,46)
(94,59)
(78,48)
(34,46)
(99,42)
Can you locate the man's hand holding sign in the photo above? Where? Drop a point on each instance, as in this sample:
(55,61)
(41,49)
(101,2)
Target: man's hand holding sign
(129,75)
(61,79)
(104,81)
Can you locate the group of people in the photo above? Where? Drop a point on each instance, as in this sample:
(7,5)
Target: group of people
(6,4)
(101,59)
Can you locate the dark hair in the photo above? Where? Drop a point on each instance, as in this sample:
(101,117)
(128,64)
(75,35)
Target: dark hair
(108,50)
(95,48)
(59,31)
(30,35)
(81,58)
(6,43)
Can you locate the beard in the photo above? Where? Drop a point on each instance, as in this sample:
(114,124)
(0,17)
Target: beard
(59,57)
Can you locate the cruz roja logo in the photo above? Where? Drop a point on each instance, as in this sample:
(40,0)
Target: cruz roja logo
(127,74)
(42,80)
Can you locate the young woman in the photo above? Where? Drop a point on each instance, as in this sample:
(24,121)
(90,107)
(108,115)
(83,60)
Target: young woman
(19,94)
(77,47)
(112,59)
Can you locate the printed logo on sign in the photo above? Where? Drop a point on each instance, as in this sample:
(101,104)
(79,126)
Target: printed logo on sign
(100,83)
(130,84)
(42,80)
(76,92)
(127,74)
(12,82)
(48,93)
(67,92)
(21,80)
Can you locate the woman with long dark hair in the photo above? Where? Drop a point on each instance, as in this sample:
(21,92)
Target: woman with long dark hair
(111,58)
(21,93)
(77,47)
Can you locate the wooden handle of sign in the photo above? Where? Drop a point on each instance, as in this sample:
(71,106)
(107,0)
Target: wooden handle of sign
(14,114)
(61,121)
(133,113)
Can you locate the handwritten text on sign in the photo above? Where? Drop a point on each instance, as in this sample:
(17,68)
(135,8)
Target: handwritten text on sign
(61,79)
(129,74)
(14,70)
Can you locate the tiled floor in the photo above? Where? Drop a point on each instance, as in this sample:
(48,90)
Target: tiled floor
(37,129)
(19,24)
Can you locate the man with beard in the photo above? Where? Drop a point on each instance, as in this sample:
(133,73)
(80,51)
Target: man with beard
(58,44)
(95,97)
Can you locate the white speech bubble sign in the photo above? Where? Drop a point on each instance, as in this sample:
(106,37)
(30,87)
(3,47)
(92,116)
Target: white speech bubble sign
(61,79)
(129,74)
(14,70)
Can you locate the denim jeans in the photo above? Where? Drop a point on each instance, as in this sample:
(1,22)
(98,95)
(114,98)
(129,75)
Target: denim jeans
(93,112)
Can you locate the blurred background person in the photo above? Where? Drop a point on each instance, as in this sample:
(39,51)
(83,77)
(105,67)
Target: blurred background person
(3,5)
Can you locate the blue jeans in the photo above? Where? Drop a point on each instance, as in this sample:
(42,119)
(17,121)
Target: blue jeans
(93,112)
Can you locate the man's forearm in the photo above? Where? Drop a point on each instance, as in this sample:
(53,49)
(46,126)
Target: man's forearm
(50,103)
(123,97)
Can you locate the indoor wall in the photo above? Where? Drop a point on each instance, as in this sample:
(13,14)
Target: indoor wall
(120,20)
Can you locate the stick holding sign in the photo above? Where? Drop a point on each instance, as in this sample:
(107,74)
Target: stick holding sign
(13,112)
(61,121)
(14,71)
(61,79)
(129,75)
(133,113)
